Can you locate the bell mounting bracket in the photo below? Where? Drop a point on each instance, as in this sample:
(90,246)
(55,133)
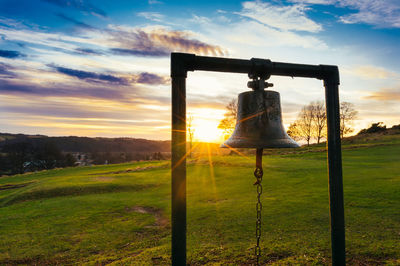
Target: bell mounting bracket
(259,70)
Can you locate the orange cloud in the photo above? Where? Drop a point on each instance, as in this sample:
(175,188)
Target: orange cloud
(158,42)
(385,94)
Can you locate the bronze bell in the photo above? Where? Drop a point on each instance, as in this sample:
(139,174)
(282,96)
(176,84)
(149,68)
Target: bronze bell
(259,120)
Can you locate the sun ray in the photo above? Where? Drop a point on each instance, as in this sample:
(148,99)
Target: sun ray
(183,157)
(236,151)
(212,176)
(211,166)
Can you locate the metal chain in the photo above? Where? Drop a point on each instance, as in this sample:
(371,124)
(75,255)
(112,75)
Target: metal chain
(258,173)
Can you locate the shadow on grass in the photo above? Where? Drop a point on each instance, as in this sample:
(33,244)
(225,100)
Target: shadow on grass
(13,186)
(37,260)
(70,191)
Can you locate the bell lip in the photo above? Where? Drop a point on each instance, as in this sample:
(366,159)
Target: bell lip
(286,143)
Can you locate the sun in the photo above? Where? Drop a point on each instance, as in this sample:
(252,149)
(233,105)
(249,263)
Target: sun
(204,122)
(207,131)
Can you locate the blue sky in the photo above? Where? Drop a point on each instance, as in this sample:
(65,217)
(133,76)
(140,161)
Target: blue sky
(101,68)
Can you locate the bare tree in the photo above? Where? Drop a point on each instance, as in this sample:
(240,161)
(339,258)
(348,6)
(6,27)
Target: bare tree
(190,130)
(319,120)
(227,124)
(232,108)
(311,121)
(347,116)
(304,123)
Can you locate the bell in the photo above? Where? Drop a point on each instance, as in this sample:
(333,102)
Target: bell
(259,121)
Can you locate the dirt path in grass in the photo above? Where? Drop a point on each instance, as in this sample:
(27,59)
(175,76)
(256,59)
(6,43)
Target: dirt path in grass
(161,220)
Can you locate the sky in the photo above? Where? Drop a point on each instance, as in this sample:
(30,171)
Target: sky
(101,68)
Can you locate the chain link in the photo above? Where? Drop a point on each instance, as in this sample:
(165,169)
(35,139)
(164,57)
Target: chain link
(258,173)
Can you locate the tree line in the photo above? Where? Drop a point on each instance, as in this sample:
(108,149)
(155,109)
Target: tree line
(310,123)
(21,157)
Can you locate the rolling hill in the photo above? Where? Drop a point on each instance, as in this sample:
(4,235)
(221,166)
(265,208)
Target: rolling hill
(120,214)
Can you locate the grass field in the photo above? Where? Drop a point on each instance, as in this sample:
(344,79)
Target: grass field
(120,214)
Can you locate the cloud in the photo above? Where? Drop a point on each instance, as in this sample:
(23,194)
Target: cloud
(373,72)
(88,51)
(141,52)
(153,16)
(55,90)
(11,54)
(5,71)
(158,42)
(257,34)
(89,76)
(318,2)
(152,79)
(120,40)
(82,5)
(383,13)
(76,22)
(287,18)
(153,2)
(385,94)
(379,13)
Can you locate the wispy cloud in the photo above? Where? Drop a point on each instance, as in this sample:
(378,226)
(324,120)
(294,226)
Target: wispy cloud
(257,34)
(89,76)
(127,79)
(153,2)
(88,51)
(5,71)
(282,17)
(158,42)
(122,40)
(11,54)
(150,51)
(8,87)
(82,5)
(385,94)
(373,72)
(383,13)
(153,16)
(321,2)
(152,79)
(74,21)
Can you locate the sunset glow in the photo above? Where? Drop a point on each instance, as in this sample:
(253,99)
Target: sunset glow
(94,69)
(205,124)
(207,131)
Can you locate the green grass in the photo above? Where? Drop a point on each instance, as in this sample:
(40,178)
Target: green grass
(105,214)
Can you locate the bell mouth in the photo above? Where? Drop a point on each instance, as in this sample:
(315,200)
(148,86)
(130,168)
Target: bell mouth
(247,143)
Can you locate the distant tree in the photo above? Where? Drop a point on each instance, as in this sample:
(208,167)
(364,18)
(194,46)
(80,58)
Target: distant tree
(158,156)
(49,155)
(374,128)
(17,154)
(4,165)
(293,131)
(227,124)
(347,116)
(304,123)
(129,156)
(319,120)
(69,160)
(232,108)
(190,130)
(396,126)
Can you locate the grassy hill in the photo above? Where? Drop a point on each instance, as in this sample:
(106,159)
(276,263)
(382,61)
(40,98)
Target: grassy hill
(120,214)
